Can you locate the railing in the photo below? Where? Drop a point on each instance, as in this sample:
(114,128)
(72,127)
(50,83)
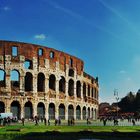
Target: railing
(52,94)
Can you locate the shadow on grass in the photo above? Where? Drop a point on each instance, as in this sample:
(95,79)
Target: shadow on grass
(56,135)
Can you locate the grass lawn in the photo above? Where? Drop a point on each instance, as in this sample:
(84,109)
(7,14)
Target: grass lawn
(32,132)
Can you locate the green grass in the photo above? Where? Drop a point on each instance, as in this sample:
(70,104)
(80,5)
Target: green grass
(30,131)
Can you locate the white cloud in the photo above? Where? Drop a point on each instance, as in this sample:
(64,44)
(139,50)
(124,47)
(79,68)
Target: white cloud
(6,8)
(122,72)
(40,37)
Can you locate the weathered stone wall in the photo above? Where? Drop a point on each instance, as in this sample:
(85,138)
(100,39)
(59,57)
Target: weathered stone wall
(59,65)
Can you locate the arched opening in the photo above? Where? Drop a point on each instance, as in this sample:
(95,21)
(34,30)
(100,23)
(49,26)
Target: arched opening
(2,78)
(62,84)
(92,92)
(88,112)
(40,52)
(84,90)
(62,111)
(28,82)
(84,113)
(88,90)
(2,107)
(41,110)
(51,54)
(14,75)
(51,111)
(52,82)
(28,110)
(28,64)
(70,112)
(78,112)
(15,109)
(14,51)
(71,72)
(41,82)
(71,87)
(78,89)
(71,62)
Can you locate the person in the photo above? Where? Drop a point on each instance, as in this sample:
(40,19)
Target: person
(133,121)
(87,121)
(104,122)
(0,120)
(22,121)
(36,120)
(48,122)
(55,122)
(45,121)
(59,121)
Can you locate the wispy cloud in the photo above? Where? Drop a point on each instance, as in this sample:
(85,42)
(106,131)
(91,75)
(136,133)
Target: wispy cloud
(122,71)
(119,14)
(5,8)
(40,36)
(80,17)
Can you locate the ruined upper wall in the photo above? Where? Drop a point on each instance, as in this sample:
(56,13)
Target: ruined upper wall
(30,51)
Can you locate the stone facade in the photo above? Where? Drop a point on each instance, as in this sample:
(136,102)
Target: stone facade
(37,80)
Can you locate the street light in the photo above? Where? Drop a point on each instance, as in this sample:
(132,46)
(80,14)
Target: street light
(117,99)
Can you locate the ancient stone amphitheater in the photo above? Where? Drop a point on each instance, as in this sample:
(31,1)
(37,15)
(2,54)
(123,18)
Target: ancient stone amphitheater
(37,80)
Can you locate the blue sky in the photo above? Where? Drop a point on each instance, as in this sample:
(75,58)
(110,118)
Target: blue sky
(103,33)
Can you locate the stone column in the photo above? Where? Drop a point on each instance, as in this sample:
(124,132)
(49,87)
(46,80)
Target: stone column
(7,105)
(35,84)
(66,112)
(47,84)
(56,111)
(46,110)
(22,84)
(74,111)
(81,113)
(8,81)
(66,88)
(34,109)
(22,115)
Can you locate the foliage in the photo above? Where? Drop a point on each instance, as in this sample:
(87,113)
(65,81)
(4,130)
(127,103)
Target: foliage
(130,103)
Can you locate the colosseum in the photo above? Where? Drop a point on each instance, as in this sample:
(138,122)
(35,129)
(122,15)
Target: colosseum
(37,80)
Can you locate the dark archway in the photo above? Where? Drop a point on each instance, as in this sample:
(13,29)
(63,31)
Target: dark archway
(52,82)
(16,109)
(84,90)
(84,113)
(88,90)
(2,107)
(71,72)
(92,113)
(2,78)
(78,89)
(41,82)
(28,82)
(78,112)
(62,111)
(70,112)
(62,84)
(92,92)
(28,110)
(71,87)
(51,111)
(41,110)
(88,112)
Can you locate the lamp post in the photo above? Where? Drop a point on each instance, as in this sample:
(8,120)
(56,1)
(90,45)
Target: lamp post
(117,99)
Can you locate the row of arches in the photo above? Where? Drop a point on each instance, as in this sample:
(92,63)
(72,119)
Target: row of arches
(15,108)
(28,82)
